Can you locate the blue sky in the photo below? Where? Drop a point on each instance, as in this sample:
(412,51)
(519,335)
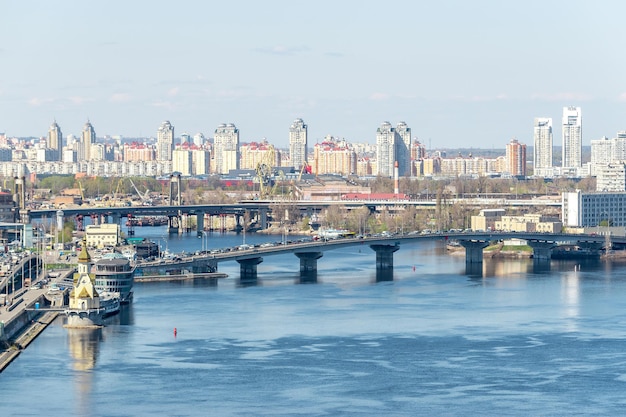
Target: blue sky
(460,73)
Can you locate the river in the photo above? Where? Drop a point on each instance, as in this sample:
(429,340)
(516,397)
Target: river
(512,339)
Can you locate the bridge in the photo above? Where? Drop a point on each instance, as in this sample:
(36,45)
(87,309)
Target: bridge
(384,247)
(261,208)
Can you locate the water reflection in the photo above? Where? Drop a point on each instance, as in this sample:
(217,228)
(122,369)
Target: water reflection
(474,270)
(384,274)
(125,317)
(247,282)
(308,277)
(84,347)
(570,297)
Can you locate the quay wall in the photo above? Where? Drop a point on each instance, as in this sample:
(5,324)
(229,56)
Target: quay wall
(22,319)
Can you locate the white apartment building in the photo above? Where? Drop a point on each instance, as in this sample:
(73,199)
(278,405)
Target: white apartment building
(55,140)
(87,138)
(611,177)
(542,146)
(226,148)
(572,137)
(165,141)
(298,143)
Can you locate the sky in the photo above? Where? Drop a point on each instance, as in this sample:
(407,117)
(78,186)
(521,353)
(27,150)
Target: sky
(471,74)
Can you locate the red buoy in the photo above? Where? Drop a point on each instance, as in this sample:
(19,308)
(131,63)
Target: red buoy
(175,332)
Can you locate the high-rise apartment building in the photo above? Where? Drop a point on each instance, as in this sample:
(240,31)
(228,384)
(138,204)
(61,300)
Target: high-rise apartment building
(334,156)
(87,138)
(605,151)
(601,153)
(55,140)
(136,152)
(516,158)
(403,148)
(226,148)
(572,137)
(542,146)
(393,145)
(255,153)
(182,161)
(385,149)
(298,144)
(165,141)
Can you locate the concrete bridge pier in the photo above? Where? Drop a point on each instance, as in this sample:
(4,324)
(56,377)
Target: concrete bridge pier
(200,224)
(474,250)
(542,249)
(384,255)
(262,220)
(308,261)
(247,268)
(474,270)
(173,224)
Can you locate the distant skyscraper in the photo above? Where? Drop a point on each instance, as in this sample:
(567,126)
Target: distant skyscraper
(226,148)
(393,145)
(572,137)
(542,146)
(516,158)
(87,138)
(403,148)
(185,138)
(55,140)
(298,143)
(385,149)
(165,141)
(198,139)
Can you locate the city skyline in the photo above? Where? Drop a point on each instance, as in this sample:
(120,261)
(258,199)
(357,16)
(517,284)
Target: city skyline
(462,72)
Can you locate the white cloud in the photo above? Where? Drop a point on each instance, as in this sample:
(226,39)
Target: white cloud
(163,104)
(80,100)
(379,96)
(120,98)
(39,101)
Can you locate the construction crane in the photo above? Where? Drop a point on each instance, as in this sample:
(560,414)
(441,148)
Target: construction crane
(82,194)
(144,197)
(264,172)
(305,168)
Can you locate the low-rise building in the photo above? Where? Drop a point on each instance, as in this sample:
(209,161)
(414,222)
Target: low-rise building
(102,235)
(529,223)
(486,219)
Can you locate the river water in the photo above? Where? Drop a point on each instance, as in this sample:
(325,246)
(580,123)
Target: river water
(512,339)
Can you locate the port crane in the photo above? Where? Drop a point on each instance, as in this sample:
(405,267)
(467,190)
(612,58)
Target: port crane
(145,198)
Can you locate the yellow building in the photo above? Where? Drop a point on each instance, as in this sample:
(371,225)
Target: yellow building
(100,236)
(334,156)
(254,153)
(486,219)
(529,223)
